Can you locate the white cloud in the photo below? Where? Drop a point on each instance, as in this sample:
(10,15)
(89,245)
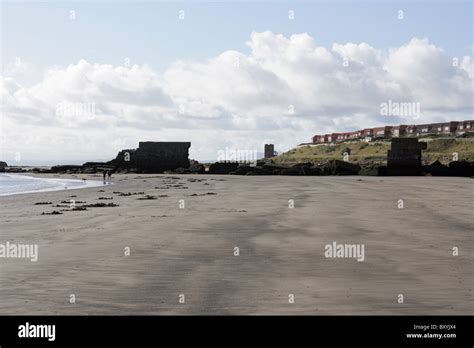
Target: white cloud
(232,100)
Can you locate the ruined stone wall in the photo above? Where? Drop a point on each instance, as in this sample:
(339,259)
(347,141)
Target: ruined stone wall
(155,157)
(404,157)
(160,156)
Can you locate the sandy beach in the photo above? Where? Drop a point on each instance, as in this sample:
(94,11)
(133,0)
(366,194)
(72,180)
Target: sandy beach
(190,250)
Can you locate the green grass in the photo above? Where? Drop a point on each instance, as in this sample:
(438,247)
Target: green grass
(441,149)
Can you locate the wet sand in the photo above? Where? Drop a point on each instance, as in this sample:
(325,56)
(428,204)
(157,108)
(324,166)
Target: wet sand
(190,250)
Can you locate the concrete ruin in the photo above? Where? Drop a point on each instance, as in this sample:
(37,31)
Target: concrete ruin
(154,157)
(269,151)
(404,157)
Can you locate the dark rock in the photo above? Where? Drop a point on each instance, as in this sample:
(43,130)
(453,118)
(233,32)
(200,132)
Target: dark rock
(65,168)
(130,170)
(96,167)
(252,170)
(369,168)
(303,164)
(95,164)
(436,169)
(302,168)
(314,171)
(3,164)
(41,170)
(262,171)
(14,170)
(344,168)
(337,167)
(456,168)
(177,171)
(89,170)
(243,170)
(369,171)
(290,171)
(437,164)
(382,171)
(262,162)
(404,171)
(461,168)
(273,167)
(223,167)
(307,169)
(196,168)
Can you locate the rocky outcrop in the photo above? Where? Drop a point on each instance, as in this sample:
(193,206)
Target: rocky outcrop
(244,170)
(223,167)
(3,164)
(66,169)
(333,167)
(461,168)
(86,168)
(369,168)
(194,168)
(41,170)
(436,169)
(336,167)
(455,168)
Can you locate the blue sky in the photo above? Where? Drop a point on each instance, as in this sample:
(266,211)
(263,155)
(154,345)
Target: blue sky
(151,33)
(182,83)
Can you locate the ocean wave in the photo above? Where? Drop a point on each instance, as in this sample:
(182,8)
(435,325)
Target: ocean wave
(11,184)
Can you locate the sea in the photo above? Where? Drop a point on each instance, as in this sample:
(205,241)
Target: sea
(12,184)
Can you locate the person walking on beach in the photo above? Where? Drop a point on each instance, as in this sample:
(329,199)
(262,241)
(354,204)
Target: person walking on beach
(104,173)
(109,175)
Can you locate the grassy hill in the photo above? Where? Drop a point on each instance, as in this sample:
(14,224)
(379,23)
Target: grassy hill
(439,148)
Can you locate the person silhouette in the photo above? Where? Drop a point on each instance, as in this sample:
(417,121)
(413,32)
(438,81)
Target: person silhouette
(109,175)
(104,173)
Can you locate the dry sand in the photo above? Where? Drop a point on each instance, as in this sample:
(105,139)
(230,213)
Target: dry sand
(190,251)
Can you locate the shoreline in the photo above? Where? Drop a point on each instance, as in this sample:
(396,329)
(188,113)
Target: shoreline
(86,184)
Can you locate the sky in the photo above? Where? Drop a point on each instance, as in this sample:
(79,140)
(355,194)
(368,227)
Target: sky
(81,80)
